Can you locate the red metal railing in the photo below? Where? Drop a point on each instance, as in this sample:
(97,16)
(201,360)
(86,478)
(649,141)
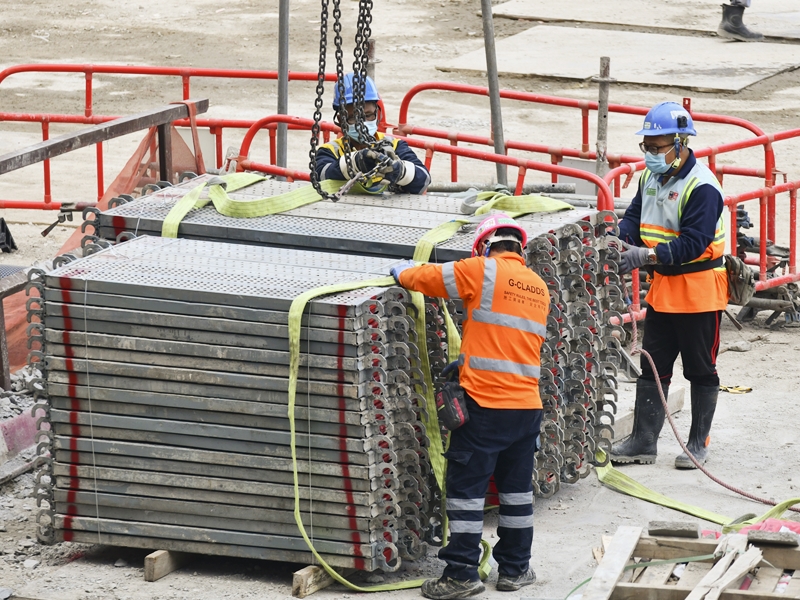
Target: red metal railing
(186,74)
(556,154)
(605,200)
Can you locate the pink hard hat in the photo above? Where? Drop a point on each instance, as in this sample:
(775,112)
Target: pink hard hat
(491,224)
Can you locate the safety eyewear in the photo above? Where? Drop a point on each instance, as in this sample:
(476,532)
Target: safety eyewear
(654,150)
(367,117)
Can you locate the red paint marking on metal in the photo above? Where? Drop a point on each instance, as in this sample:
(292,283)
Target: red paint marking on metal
(343,454)
(72,378)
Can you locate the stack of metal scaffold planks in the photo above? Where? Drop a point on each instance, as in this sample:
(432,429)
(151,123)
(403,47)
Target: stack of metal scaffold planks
(167,365)
(367,225)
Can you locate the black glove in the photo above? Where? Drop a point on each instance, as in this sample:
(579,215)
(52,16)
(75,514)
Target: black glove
(632,258)
(367,159)
(394,171)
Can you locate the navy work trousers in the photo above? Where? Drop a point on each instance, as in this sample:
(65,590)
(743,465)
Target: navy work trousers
(695,336)
(500,442)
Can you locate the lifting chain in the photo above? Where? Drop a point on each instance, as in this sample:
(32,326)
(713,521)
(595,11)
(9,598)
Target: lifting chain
(361,60)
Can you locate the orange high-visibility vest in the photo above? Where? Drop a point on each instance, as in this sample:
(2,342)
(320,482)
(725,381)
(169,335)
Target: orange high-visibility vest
(505,316)
(662,208)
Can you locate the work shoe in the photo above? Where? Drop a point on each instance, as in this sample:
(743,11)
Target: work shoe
(732,27)
(648,418)
(446,588)
(507,583)
(704,403)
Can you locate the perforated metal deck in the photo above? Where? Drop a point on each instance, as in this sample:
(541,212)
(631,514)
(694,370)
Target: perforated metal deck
(389,225)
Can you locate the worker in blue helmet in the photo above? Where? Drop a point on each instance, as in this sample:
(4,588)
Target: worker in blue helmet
(401,170)
(674,228)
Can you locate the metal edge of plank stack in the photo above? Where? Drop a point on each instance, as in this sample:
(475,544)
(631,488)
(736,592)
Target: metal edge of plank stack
(583,352)
(164,405)
(389,225)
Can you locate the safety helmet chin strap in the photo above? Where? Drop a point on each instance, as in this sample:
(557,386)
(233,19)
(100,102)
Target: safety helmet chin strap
(499,238)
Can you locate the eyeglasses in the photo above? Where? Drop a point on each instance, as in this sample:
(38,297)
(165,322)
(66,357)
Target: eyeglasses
(367,117)
(654,150)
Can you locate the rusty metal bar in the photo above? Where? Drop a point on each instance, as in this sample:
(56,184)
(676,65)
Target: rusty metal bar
(99,133)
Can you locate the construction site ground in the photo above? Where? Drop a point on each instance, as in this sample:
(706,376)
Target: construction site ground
(754,438)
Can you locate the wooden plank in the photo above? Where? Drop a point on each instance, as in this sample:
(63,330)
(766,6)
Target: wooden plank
(741,566)
(313,578)
(694,572)
(609,571)
(163,562)
(793,588)
(656,575)
(94,135)
(766,579)
(633,591)
(656,548)
(623,425)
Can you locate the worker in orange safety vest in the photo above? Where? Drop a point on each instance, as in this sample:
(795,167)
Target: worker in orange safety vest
(675,228)
(505,307)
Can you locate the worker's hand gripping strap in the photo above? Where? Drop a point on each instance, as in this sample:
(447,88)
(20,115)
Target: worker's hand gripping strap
(231,207)
(200,166)
(295,315)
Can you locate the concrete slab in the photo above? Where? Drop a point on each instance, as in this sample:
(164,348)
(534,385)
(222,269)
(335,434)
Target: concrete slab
(706,64)
(774,18)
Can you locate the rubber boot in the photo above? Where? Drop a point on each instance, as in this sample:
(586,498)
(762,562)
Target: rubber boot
(732,27)
(648,418)
(704,403)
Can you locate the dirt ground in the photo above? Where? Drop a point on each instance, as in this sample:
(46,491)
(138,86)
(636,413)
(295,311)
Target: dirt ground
(755,439)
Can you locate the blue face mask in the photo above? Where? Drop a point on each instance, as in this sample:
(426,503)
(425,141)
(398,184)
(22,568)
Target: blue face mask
(656,164)
(372,128)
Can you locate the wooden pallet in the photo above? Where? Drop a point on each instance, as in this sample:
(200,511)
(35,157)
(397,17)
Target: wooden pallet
(754,575)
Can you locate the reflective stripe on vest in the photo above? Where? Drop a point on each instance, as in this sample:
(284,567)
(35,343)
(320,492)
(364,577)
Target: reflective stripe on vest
(662,208)
(485,314)
(449,277)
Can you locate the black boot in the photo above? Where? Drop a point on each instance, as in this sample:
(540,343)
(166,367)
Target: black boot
(733,28)
(704,403)
(648,418)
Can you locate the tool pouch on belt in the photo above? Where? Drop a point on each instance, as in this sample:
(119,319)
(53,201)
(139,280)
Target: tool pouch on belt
(741,283)
(451,401)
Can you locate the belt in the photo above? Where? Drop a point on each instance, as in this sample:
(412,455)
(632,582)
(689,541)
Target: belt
(696,267)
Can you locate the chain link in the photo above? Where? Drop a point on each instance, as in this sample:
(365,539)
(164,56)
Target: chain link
(360,63)
(315,128)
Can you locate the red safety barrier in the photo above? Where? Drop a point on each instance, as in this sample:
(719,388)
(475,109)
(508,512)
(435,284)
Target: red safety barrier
(186,74)
(584,106)
(605,200)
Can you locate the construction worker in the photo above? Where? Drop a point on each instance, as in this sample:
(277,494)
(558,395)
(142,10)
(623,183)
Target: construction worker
(675,228)
(506,307)
(400,169)
(732,26)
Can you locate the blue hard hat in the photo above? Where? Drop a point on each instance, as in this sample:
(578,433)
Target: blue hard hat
(370,91)
(666,118)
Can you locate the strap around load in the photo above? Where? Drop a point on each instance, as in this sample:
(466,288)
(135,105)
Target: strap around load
(696,267)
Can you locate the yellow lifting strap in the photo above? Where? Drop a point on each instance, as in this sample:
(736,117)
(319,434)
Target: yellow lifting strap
(514,206)
(617,480)
(230,207)
(431,422)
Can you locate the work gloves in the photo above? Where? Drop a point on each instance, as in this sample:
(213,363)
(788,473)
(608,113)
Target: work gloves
(632,258)
(393,171)
(367,159)
(390,168)
(397,269)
